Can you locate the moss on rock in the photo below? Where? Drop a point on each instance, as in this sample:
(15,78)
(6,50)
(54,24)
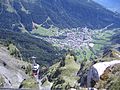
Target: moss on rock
(30,83)
(13,50)
(64,76)
(1,81)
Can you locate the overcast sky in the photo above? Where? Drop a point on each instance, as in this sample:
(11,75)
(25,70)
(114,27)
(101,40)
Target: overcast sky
(111,4)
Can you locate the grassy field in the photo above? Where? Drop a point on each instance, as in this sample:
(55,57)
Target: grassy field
(100,40)
(80,54)
(45,32)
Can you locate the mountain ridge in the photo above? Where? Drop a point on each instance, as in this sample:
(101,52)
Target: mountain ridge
(61,14)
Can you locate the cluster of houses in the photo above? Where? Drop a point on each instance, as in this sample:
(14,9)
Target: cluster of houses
(75,38)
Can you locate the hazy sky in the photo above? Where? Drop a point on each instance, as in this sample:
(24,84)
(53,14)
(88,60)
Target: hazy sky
(111,4)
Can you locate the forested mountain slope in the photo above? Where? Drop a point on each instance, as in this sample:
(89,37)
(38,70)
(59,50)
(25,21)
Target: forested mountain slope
(23,14)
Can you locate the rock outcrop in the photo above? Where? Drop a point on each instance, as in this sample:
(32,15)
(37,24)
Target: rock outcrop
(99,71)
(11,71)
(103,71)
(63,75)
(110,79)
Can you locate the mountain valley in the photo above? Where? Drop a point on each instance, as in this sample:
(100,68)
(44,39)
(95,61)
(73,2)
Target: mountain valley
(70,40)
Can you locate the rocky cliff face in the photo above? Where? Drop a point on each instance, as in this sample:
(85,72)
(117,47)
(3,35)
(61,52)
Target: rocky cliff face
(68,74)
(21,14)
(11,72)
(110,79)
